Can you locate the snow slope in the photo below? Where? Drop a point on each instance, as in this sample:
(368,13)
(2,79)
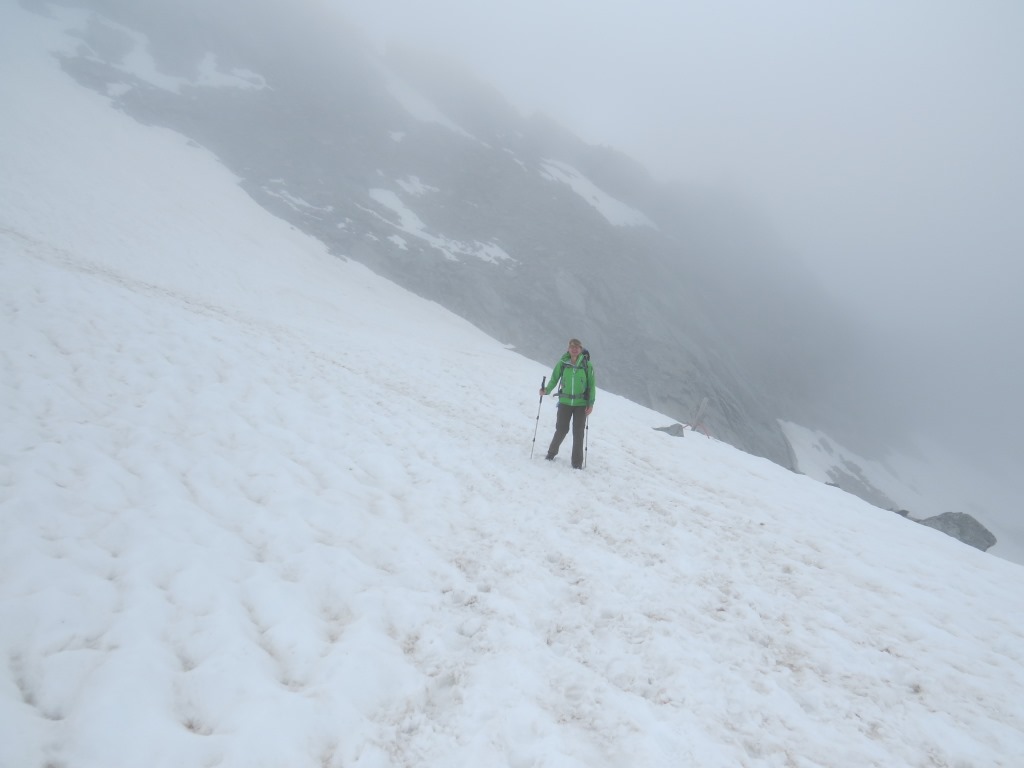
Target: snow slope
(259,507)
(926,484)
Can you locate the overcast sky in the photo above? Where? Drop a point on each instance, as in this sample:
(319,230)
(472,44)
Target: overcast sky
(882,139)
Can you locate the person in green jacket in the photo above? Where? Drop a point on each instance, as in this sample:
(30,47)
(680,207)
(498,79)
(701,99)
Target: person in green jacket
(575,399)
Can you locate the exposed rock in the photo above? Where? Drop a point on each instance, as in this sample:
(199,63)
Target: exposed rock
(849,476)
(962,526)
(676,430)
(431,179)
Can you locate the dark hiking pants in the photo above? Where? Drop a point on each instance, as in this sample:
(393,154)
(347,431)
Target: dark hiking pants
(578,415)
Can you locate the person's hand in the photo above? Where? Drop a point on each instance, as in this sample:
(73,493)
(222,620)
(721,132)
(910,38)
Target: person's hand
(541,391)
(590,408)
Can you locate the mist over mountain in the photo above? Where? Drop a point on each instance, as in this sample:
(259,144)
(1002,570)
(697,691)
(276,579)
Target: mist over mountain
(408,164)
(250,519)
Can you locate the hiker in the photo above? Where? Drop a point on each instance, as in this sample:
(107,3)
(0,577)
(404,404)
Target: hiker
(576,393)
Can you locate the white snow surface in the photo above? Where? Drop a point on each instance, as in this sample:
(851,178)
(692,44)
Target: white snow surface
(611,208)
(411,224)
(259,507)
(922,484)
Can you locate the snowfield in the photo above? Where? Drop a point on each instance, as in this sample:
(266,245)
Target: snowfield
(259,507)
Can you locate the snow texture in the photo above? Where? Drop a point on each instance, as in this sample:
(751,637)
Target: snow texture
(919,484)
(259,507)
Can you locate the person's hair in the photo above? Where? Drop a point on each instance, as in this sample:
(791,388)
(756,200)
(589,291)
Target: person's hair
(575,343)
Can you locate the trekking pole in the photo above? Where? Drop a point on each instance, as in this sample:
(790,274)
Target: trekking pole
(543,383)
(586,440)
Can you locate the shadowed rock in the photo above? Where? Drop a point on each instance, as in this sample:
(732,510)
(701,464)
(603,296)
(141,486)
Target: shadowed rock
(962,526)
(676,430)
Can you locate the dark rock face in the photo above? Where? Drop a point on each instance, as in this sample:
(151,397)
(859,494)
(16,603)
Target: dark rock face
(850,477)
(962,526)
(429,178)
(676,430)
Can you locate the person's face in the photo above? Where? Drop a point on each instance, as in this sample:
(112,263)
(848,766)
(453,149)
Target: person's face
(574,349)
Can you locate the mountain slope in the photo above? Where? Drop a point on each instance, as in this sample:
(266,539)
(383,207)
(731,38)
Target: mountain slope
(413,168)
(912,482)
(258,507)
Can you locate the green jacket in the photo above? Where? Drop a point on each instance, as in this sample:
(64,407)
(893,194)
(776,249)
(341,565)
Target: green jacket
(578,383)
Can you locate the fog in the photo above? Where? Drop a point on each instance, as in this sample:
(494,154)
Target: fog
(882,140)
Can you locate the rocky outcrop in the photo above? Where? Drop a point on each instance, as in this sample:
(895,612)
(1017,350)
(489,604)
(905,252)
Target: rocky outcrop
(676,430)
(432,180)
(962,526)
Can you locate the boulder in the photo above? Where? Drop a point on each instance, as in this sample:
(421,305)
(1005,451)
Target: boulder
(676,430)
(962,526)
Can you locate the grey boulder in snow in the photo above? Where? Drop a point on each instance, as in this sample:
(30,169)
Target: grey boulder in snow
(962,526)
